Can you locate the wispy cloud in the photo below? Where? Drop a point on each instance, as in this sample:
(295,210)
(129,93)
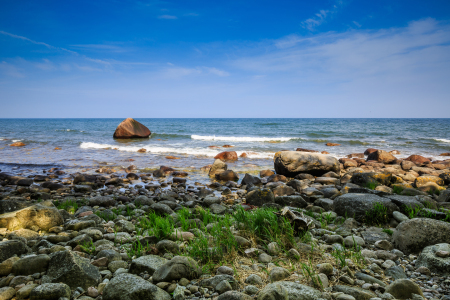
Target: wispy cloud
(168,17)
(10,70)
(320,17)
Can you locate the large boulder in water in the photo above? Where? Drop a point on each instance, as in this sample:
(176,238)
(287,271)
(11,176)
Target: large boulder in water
(227,155)
(130,128)
(291,163)
(44,215)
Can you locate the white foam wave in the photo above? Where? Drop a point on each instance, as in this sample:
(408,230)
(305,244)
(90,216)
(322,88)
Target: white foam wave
(15,141)
(443,140)
(238,138)
(166,150)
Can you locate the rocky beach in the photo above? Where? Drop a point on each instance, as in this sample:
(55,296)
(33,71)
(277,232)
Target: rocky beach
(371,224)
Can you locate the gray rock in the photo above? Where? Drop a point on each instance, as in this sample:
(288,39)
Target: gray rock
(217,209)
(218,167)
(403,289)
(126,226)
(7,293)
(223,286)
(293,201)
(254,279)
(110,254)
(167,246)
(356,292)
(260,197)
(278,273)
(354,241)
(178,293)
(436,264)
(143,200)
(116,265)
(50,291)
(104,201)
(357,205)
(214,281)
(396,272)
(291,163)
(273,291)
(177,268)
(10,248)
(148,263)
(31,264)
(413,235)
(162,209)
(251,290)
(369,279)
(79,225)
(71,269)
(405,202)
(131,287)
(234,295)
(399,217)
(297,291)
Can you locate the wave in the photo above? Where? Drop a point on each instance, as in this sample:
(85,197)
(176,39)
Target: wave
(169,135)
(443,140)
(267,124)
(69,130)
(240,139)
(164,150)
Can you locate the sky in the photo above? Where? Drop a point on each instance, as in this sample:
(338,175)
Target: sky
(225,59)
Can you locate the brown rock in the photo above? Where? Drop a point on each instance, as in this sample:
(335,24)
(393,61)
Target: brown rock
(305,150)
(172,157)
(357,155)
(324,152)
(57,148)
(243,155)
(227,155)
(130,128)
(227,175)
(396,152)
(332,144)
(369,150)
(417,159)
(445,154)
(17,144)
(265,173)
(142,150)
(214,147)
(382,156)
(227,146)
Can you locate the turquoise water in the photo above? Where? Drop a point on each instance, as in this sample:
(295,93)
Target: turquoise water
(89,142)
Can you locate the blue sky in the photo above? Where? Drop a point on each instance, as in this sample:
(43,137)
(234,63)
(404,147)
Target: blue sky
(224,58)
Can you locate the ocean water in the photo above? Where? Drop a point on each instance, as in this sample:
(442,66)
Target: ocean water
(89,143)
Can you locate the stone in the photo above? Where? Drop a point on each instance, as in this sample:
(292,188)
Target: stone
(297,291)
(326,268)
(369,279)
(167,246)
(116,265)
(223,286)
(283,190)
(366,178)
(354,241)
(444,196)
(225,270)
(254,279)
(291,163)
(24,292)
(384,245)
(131,287)
(6,266)
(423,180)
(31,264)
(50,291)
(124,226)
(177,268)
(71,269)
(130,128)
(7,293)
(403,289)
(234,295)
(356,205)
(399,217)
(147,263)
(259,197)
(382,157)
(43,215)
(162,209)
(227,155)
(417,159)
(293,201)
(278,273)
(396,272)
(214,281)
(104,201)
(227,175)
(435,263)
(217,167)
(413,235)
(250,180)
(356,292)
(273,292)
(10,248)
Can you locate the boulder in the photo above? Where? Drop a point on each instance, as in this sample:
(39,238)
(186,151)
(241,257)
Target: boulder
(423,180)
(11,205)
(50,291)
(403,289)
(446,177)
(227,155)
(130,128)
(177,268)
(227,175)
(104,201)
(291,163)
(217,167)
(234,295)
(148,263)
(131,287)
(71,269)
(43,215)
(382,157)
(417,159)
(296,291)
(31,264)
(356,292)
(357,205)
(259,197)
(10,248)
(436,263)
(367,178)
(413,235)
(250,180)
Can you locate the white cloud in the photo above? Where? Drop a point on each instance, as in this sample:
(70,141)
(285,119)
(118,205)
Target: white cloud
(320,17)
(168,17)
(10,70)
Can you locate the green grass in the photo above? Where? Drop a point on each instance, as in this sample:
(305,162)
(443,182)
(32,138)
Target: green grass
(396,189)
(105,216)
(155,225)
(309,272)
(413,211)
(377,215)
(88,247)
(372,185)
(71,206)
(388,231)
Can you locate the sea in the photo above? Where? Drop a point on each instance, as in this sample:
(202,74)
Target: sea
(88,144)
